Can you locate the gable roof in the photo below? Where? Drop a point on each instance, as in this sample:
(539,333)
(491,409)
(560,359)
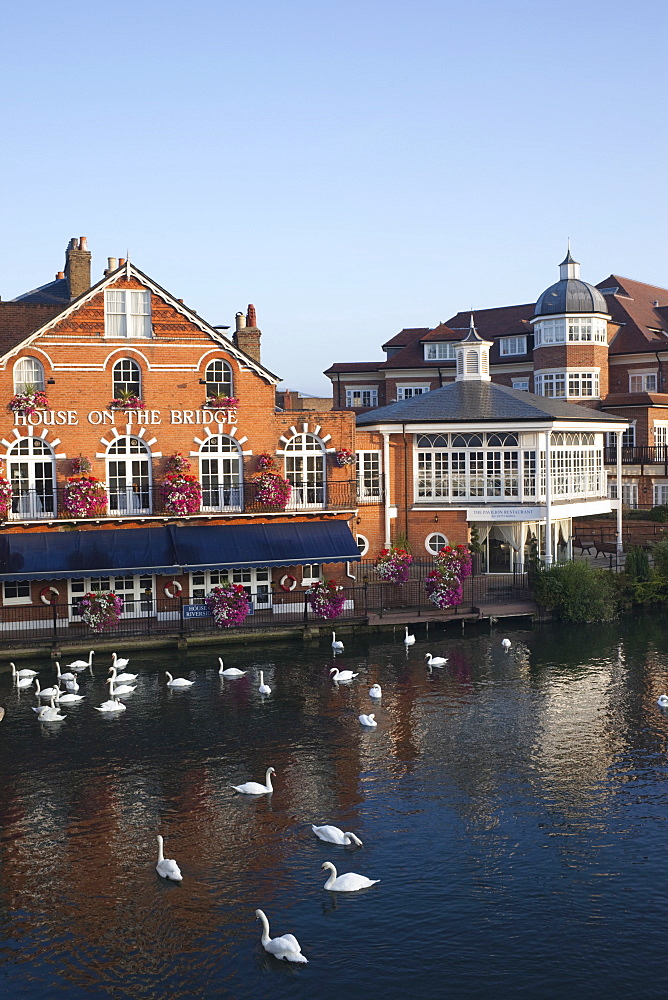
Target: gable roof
(631,306)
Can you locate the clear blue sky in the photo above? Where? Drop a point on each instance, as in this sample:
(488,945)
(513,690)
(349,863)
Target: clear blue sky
(350,168)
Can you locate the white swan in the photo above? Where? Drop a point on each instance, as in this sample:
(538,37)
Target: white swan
(336,643)
(342,675)
(46,693)
(166,867)
(50,714)
(2,713)
(263,688)
(506,643)
(286,947)
(122,689)
(368,720)
(25,672)
(255,788)
(350,882)
(435,661)
(68,676)
(21,682)
(70,698)
(79,665)
(229,671)
(72,685)
(662,701)
(122,678)
(118,662)
(113,705)
(178,682)
(333,835)
(409,639)
(375,691)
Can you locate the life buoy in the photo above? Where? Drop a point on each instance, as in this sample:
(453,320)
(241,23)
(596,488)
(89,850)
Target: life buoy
(285,585)
(176,587)
(45,594)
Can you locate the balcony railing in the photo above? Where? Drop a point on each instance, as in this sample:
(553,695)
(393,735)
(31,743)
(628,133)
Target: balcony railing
(147,501)
(639,454)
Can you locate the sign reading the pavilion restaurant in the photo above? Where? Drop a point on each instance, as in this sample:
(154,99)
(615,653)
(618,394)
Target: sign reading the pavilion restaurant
(504,513)
(129,418)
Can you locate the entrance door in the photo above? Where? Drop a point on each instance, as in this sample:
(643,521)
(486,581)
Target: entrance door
(129,477)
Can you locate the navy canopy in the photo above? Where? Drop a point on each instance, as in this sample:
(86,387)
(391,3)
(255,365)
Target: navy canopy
(58,555)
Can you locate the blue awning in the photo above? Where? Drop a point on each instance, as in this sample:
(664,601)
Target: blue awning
(59,555)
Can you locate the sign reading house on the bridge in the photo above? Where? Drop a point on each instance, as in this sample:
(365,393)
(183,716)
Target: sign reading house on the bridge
(70,418)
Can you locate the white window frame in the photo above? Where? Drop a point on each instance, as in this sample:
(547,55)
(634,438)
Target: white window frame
(34,378)
(629,493)
(440,351)
(369,467)
(222,483)
(661,432)
(628,437)
(407,391)
(563,382)
(122,319)
(521,383)
(126,500)
(218,378)
(571,329)
(509,346)
(364,547)
(33,496)
(430,538)
(140,607)
(359,391)
(648,380)
(119,362)
(24,599)
(660,494)
(256,581)
(311,573)
(306,471)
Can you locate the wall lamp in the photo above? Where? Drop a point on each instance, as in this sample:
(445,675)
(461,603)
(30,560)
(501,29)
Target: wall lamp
(202,381)
(51,381)
(436,519)
(359,520)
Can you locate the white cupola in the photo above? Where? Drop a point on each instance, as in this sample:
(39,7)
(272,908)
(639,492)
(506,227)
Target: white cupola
(472,354)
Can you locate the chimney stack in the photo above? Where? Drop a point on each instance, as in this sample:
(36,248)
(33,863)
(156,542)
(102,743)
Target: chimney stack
(247,335)
(77,266)
(112,264)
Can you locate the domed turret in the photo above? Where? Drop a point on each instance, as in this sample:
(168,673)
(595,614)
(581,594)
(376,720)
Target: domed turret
(570,294)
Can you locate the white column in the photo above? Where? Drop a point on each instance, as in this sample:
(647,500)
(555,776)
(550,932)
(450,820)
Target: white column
(386,474)
(619,491)
(548,501)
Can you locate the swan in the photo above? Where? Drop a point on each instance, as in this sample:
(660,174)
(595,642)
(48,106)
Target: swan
(113,705)
(435,661)
(22,682)
(46,693)
(255,788)
(368,720)
(333,835)
(122,678)
(506,643)
(662,701)
(287,946)
(63,677)
(342,675)
(2,713)
(166,867)
(229,671)
(118,662)
(72,685)
(409,639)
(263,688)
(122,689)
(80,665)
(22,673)
(177,682)
(350,882)
(336,643)
(70,698)
(50,714)
(375,691)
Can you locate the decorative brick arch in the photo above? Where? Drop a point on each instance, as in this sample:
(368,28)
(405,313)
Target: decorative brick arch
(115,435)
(30,433)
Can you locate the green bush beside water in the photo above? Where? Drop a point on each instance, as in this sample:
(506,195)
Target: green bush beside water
(578,593)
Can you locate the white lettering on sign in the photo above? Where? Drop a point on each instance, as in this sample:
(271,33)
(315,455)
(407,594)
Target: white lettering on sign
(70,418)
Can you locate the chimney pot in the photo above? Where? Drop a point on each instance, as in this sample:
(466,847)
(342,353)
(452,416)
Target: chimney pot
(60,275)
(121,261)
(251,318)
(112,263)
(240,321)
(83,242)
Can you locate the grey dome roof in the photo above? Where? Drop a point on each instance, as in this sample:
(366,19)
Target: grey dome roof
(570,295)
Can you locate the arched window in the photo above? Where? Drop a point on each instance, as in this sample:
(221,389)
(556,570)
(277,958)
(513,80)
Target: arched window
(126,375)
(221,473)
(435,542)
(305,470)
(129,476)
(28,374)
(32,472)
(218,379)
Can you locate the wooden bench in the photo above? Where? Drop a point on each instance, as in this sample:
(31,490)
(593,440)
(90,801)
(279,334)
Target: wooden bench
(585,544)
(605,548)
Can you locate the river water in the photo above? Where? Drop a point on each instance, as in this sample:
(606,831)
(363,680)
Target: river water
(514,806)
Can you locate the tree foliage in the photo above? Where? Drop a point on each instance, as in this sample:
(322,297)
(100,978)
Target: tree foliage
(577,592)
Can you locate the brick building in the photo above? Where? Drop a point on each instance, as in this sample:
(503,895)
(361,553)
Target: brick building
(133,377)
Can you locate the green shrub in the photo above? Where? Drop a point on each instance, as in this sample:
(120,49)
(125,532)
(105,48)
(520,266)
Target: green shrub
(660,557)
(659,513)
(577,592)
(636,566)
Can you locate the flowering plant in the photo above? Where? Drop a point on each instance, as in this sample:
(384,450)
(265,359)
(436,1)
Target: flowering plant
(182,494)
(229,604)
(127,400)
(29,401)
(85,496)
(265,461)
(222,402)
(5,498)
(393,565)
(272,490)
(444,584)
(326,599)
(81,466)
(100,609)
(345,457)
(177,463)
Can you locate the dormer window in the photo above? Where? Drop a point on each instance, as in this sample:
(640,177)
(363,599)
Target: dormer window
(642,382)
(440,352)
(28,375)
(512,345)
(127,313)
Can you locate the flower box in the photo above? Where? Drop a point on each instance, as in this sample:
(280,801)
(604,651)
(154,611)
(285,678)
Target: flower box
(6,493)
(326,600)
(444,584)
(182,494)
(81,466)
(344,457)
(85,496)
(129,403)
(393,565)
(229,604)
(177,463)
(221,402)
(101,610)
(265,461)
(272,490)
(29,401)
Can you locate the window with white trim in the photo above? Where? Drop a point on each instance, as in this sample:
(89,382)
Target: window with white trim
(129,476)
(629,493)
(368,476)
(310,574)
(362,396)
(127,313)
(552,385)
(575,329)
(512,345)
(408,391)
(660,494)
(362,544)
(642,382)
(661,432)
(305,470)
(218,378)
(440,351)
(28,374)
(136,590)
(570,384)
(31,465)
(628,437)
(126,378)
(582,383)
(521,383)
(256,581)
(435,542)
(16,592)
(220,466)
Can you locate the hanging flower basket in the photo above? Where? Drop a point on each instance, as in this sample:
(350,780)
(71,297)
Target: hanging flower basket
(393,565)
(81,466)
(5,498)
(101,610)
(229,604)
(177,463)
(326,600)
(127,403)
(29,401)
(182,494)
(272,490)
(265,461)
(222,402)
(444,584)
(85,496)
(344,457)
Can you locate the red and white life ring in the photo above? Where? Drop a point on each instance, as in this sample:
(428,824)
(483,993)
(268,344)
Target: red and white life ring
(45,594)
(285,585)
(176,587)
